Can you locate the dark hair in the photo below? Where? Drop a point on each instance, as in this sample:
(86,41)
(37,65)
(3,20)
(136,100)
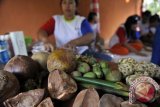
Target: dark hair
(76,1)
(154,18)
(91,16)
(146,13)
(131,20)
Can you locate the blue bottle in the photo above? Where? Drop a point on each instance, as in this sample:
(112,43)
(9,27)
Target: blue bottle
(4,54)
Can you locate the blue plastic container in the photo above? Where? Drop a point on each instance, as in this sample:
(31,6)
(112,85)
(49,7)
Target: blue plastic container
(4,53)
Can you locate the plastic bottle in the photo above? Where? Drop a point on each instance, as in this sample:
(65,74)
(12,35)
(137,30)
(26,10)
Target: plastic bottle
(4,51)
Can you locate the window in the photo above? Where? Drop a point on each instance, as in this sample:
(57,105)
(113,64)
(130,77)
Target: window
(152,5)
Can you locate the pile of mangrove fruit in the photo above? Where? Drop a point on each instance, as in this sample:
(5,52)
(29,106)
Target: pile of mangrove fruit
(64,79)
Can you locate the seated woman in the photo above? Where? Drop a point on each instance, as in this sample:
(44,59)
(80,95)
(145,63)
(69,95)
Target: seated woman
(71,31)
(96,48)
(98,43)
(148,38)
(126,38)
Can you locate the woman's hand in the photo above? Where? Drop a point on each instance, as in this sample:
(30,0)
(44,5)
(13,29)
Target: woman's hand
(48,47)
(43,37)
(70,45)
